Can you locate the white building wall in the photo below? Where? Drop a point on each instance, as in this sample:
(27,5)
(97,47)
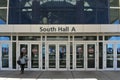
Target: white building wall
(79,28)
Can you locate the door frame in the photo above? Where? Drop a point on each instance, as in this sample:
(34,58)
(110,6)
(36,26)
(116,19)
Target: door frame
(85,56)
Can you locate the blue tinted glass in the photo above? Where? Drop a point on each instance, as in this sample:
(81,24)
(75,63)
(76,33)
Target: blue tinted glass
(2,22)
(116,22)
(2,38)
(3,15)
(114,38)
(114,16)
(58,12)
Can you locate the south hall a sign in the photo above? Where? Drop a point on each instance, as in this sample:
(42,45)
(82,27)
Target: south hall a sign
(58,29)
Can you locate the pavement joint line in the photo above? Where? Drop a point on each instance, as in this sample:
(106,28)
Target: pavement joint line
(106,75)
(39,75)
(72,74)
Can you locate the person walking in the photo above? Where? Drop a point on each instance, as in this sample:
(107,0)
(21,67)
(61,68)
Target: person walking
(23,61)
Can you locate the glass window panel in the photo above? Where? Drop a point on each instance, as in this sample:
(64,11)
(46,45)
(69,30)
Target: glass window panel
(91,37)
(118,55)
(89,3)
(37,38)
(5,56)
(85,38)
(110,38)
(90,15)
(105,16)
(77,38)
(102,3)
(114,16)
(3,3)
(57,12)
(100,37)
(58,38)
(3,15)
(114,3)
(14,37)
(5,38)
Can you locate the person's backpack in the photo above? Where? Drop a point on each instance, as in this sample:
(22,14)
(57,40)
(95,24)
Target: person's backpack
(18,62)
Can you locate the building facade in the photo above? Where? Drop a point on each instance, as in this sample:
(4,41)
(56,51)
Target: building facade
(60,34)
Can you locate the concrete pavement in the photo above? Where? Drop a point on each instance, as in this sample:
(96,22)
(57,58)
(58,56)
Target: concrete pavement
(63,75)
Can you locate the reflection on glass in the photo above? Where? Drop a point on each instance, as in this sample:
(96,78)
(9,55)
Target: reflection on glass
(91,55)
(52,56)
(5,55)
(81,38)
(24,49)
(109,55)
(114,37)
(118,55)
(3,15)
(35,56)
(3,3)
(4,38)
(61,12)
(114,3)
(80,56)
(114,16)
(62,56)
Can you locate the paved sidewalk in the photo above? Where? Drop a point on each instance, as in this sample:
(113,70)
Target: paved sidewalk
(63,75)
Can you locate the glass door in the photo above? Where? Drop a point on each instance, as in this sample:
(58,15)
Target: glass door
(85,56)
(52,56)
(24,48)
(91,56)
(62,56)
(112,56)
(6,61)
(109,56)
(57,56)
(117,56)
(35,63)
(80,56)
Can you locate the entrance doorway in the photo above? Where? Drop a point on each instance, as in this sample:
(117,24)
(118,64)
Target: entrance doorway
(57,57)
(33,53)
(112,56)
(85,56)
